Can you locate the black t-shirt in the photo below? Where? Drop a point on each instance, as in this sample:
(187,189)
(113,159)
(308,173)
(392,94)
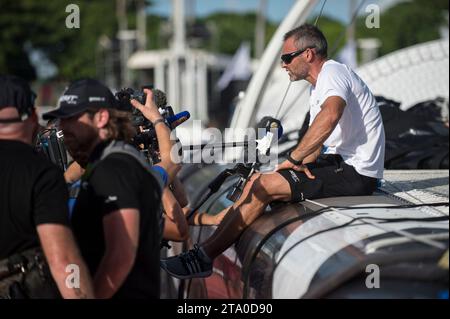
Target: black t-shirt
(120,182)
(32,192)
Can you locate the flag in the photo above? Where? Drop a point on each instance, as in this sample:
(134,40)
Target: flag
(239,67)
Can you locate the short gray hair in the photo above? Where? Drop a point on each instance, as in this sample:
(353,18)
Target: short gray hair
(308,35)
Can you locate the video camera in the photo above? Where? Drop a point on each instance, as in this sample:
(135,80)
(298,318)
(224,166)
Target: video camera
(50,142)
(146,140)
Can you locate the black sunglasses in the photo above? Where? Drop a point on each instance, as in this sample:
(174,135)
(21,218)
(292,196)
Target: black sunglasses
(288,57)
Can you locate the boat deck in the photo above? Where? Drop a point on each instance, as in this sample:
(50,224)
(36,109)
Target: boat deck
(418,186)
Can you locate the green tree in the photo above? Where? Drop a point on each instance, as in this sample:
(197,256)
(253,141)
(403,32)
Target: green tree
(407,24)
(229,30)
(41,25)
(76,56)
(28,23)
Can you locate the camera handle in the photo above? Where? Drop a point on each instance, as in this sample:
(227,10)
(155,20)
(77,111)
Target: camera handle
(51,143)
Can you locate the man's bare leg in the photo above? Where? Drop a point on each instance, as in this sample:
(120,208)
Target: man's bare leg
(199,218)
(258,193)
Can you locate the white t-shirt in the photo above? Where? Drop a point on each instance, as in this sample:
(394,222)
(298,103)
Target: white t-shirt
(359,137)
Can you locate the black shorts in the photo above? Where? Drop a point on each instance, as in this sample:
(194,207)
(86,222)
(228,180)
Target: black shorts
(334,178)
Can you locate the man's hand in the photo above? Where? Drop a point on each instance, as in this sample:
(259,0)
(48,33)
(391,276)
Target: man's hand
(302,168)
(149,110)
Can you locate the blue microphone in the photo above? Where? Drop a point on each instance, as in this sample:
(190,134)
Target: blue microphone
(178,119)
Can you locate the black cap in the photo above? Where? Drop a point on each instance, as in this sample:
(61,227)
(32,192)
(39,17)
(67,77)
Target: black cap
(16,92)
(80,96)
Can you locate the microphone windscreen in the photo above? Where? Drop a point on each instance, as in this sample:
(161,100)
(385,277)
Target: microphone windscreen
(160,98)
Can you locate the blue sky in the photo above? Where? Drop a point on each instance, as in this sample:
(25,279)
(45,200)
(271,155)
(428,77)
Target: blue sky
(276,9)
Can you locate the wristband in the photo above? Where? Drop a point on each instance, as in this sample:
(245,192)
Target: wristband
(293,161)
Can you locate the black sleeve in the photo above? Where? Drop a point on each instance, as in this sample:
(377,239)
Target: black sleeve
(51,198)
(116,183)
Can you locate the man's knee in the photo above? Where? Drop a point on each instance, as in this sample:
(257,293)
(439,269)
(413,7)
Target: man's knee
(251,182)
(262,188)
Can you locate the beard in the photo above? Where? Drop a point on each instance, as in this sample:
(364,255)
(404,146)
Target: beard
(298,75)
(80,147)
(78,153)
(80,157)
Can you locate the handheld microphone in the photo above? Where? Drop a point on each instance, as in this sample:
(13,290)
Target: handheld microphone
(178,119)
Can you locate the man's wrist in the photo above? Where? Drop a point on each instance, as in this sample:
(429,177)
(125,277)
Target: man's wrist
(294,161)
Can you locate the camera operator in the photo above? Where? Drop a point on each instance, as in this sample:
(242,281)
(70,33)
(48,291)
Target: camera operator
(175,226)
(117,214)
(35,237)
(174,198)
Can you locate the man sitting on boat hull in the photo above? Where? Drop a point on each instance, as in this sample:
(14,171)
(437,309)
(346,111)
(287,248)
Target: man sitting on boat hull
(342,154)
